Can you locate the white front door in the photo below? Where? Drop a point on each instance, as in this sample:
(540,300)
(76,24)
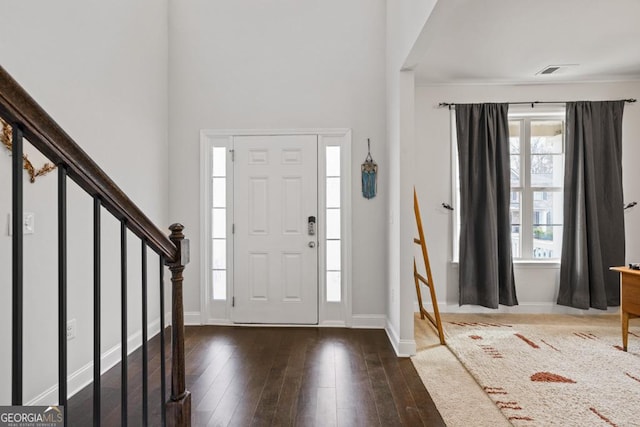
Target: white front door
(275,257)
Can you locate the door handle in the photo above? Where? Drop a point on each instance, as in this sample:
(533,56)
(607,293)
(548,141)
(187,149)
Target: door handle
(312,244)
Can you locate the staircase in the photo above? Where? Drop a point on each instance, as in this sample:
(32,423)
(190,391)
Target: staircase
(29,121)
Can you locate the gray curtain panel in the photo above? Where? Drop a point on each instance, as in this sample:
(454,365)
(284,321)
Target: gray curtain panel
(593,237)
(486,265)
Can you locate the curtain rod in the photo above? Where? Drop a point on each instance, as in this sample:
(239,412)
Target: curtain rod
(532,103)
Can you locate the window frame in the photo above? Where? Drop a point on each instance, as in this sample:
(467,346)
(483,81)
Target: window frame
(331,270)
(526,189)
(526,115)
(329,313)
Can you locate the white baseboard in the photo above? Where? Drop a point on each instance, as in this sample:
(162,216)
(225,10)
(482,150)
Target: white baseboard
(192,318)
(332,324)
(218,322)
(358,321)
(524,308)
(406,348)
(403,348)
(368,321)
(79,379)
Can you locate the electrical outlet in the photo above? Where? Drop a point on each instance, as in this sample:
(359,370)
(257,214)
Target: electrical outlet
(71,329)
(28,223)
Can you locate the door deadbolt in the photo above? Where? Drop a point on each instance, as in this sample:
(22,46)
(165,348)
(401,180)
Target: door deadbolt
(311,226)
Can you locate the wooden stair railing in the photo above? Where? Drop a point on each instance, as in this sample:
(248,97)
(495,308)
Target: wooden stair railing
(28,120)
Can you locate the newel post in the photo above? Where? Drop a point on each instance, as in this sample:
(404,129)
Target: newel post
(179,405)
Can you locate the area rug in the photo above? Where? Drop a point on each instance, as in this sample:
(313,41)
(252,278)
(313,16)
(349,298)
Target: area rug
(552,372)
(457,395)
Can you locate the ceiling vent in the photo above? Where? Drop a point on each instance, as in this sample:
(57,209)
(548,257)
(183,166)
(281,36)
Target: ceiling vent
(550,70)
(554,69)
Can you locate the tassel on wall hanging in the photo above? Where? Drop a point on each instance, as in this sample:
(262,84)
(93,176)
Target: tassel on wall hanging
(369,171)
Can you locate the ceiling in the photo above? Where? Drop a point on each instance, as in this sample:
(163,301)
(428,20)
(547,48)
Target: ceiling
(509,41)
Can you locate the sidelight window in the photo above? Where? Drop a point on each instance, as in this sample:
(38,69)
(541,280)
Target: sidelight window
(333,225)
(219,223)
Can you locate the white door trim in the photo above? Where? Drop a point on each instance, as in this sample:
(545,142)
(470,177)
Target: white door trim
(330,313)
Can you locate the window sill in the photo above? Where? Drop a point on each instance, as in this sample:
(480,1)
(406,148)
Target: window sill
(530,263)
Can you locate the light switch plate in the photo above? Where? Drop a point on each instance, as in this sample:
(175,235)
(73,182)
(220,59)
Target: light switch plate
(71,329)
(28,223)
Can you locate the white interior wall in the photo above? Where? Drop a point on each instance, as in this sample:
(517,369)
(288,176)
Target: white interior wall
(281,64)
(405,21)
(100,69)
(536,285)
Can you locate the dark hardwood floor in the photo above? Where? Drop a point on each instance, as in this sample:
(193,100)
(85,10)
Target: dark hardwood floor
(268,376)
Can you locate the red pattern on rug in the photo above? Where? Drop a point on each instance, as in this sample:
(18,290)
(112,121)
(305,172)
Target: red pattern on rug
(585,336)
(527,340)
(491,351)
(544,342)
(632,377)
(603,418)
(482,324)
(518,418)
(508,405)
(494,390)
(475,337)
(548,377)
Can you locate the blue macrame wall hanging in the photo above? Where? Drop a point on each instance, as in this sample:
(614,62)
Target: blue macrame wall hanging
(369,171)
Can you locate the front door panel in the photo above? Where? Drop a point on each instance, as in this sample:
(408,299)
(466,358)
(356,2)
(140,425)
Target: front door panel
(275,256)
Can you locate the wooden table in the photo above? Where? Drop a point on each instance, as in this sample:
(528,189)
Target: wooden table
(629,299)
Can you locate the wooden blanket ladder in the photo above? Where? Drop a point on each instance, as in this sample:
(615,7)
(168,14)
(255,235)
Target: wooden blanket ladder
(418,278)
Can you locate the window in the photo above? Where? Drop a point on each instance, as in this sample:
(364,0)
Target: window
(332,239)
(219,223)
(537,178)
